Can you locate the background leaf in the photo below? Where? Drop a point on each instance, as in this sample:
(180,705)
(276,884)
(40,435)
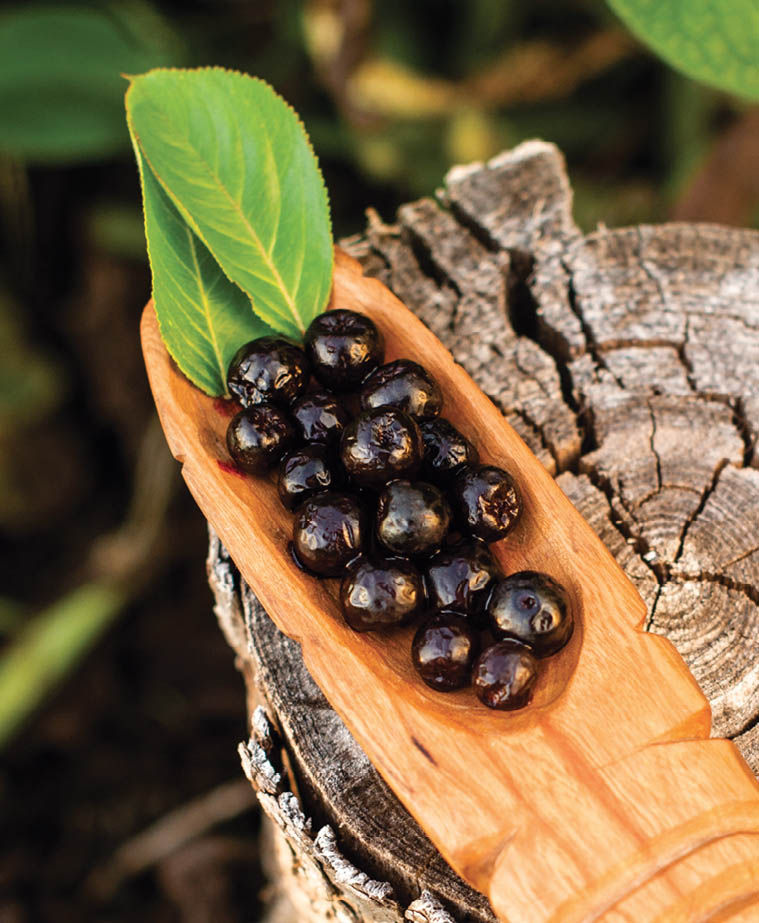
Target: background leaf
(236,162)
(204,318)
(716,41)
(60,77)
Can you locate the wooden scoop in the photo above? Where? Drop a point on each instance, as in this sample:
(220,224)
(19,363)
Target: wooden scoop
(601,800)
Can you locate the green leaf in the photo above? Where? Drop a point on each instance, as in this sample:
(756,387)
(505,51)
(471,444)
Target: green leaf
(204,318)
(236,162)
(61,88)
(716,41)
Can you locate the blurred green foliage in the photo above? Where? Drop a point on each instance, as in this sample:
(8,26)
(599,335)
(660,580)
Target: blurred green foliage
(31,383)
(61,80)
(397,92)
(48,646)
(32,387)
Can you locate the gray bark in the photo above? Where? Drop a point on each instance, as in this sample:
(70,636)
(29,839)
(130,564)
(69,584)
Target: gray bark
(629,362)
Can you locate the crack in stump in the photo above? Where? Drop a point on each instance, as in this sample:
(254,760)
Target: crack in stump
(652,612)
(636,541)
(467,221)
(683,357)
(523,313)
(741,423)
(594,349)
(657,458)
(707,492)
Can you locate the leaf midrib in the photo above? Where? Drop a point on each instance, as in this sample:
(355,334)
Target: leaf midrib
(206,306)
(238,209)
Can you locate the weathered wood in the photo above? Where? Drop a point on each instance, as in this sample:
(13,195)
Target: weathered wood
(638,328)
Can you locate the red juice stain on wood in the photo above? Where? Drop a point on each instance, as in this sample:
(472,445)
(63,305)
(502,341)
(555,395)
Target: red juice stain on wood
(229,468)
(226,406)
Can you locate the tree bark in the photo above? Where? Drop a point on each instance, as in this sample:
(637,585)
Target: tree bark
(628,360)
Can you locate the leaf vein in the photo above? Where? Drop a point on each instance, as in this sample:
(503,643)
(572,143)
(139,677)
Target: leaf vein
(205,303)
(279,282)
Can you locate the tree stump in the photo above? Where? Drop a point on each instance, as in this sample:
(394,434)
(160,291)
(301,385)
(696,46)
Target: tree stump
(628,360)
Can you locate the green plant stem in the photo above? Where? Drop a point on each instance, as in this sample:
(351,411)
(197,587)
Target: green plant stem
(44,651)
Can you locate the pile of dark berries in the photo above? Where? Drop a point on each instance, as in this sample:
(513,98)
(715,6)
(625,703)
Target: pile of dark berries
(392,498)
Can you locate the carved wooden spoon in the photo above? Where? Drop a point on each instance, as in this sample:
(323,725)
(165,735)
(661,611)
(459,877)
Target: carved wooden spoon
(603,799)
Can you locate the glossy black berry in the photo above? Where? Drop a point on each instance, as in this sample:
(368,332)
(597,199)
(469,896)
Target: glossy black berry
(268,369)
(406,385)
(381,594)
(343,347)
(446,451)
(320,417)
(305,472)
(412,518)
(380,445)
(531,608)
(504,675)
(443,651)
(329,532)
(486,502)
(259,436)
(459,577)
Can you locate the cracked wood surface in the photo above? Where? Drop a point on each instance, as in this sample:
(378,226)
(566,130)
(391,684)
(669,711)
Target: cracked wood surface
(629,362)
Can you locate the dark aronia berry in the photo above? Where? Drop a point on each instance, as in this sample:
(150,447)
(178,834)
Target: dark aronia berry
(305,472)
(320,417)
(406,385)
(381,594)
(329,532)
(343,347)
(446,451)
(504,676)
(531,608)
(380,445)
(412,518)
(486,502)
(443,651)
(268,369)
(459,577)
(259,436)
